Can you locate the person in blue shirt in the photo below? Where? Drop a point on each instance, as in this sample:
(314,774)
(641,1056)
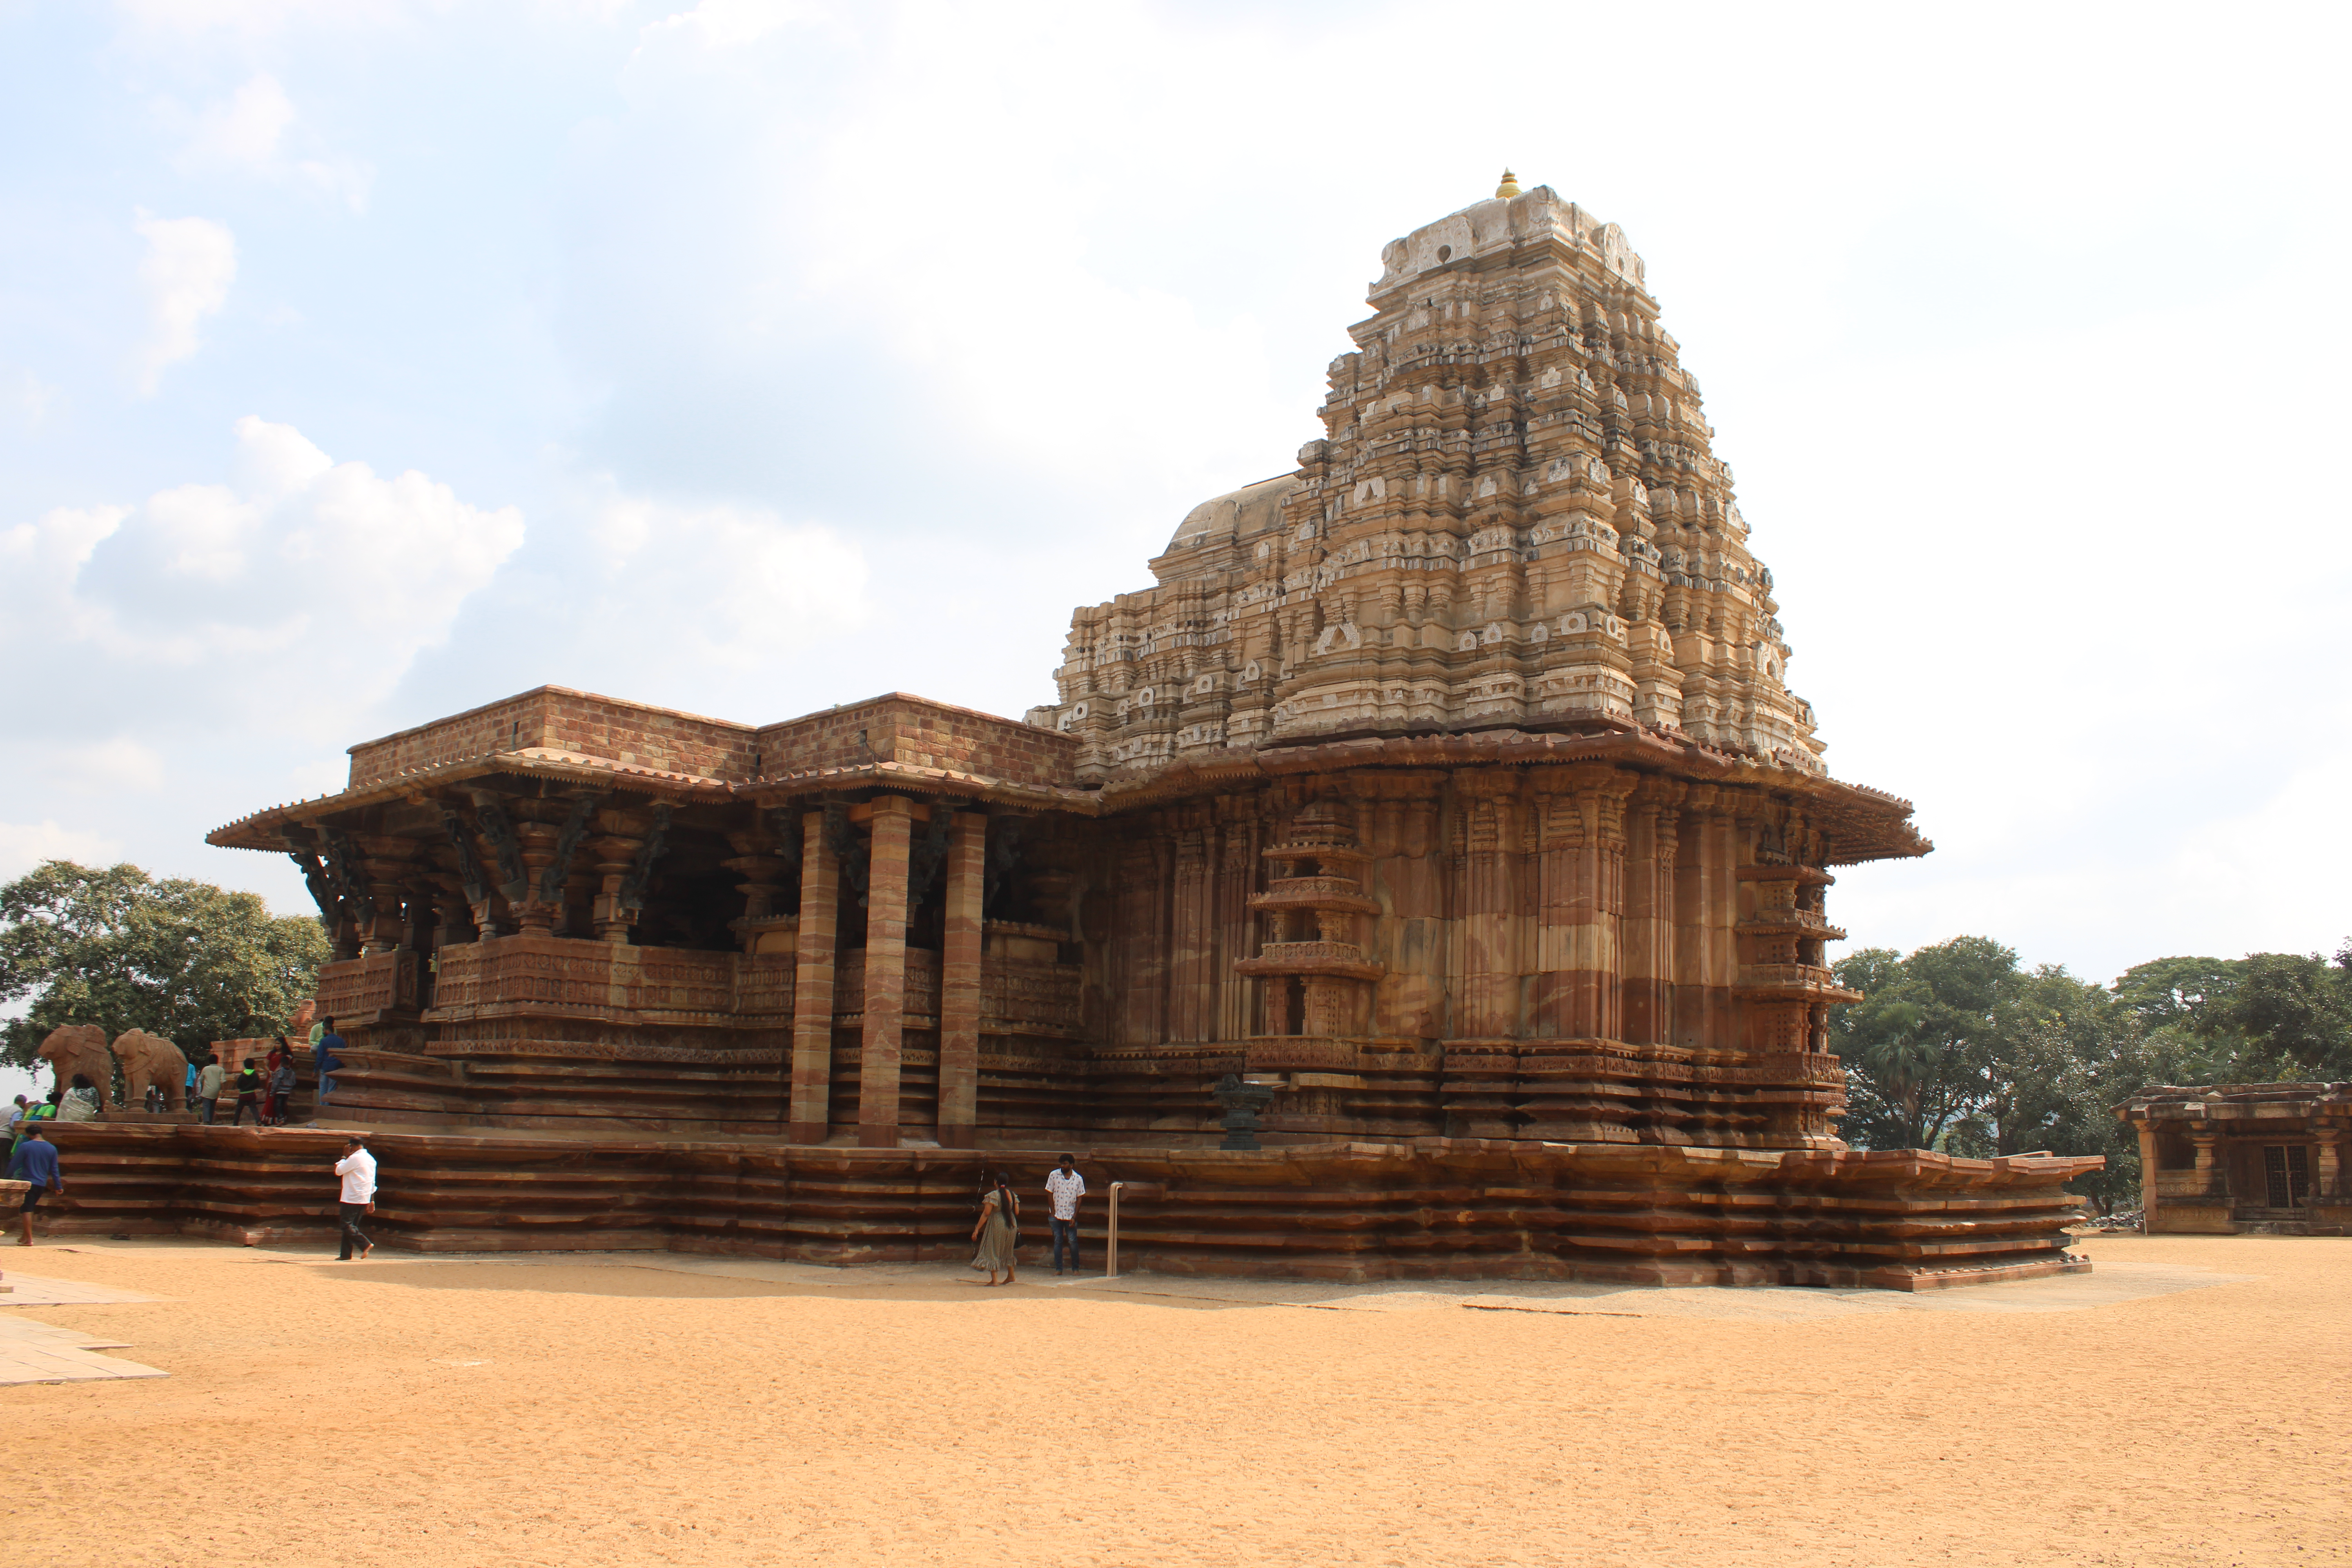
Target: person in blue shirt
(324,1043)
(36,1161)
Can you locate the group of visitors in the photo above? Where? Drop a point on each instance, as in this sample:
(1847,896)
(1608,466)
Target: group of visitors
(997,1231)
(265,1086)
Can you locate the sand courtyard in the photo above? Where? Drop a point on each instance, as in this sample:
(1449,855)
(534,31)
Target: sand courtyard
(2186,1402)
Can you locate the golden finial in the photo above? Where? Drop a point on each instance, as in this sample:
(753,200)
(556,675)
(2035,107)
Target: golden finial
(1509,187)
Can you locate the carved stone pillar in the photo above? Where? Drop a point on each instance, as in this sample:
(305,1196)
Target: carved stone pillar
(2148,1161)
(879,1059)
(2212,1176)
(536,914)
(960,959)
(612,853)
(1488,810)
(812,1089)
(1193,935)
(1237,868)
(388,865)
(763,871)
(1651,830)
(1707,904)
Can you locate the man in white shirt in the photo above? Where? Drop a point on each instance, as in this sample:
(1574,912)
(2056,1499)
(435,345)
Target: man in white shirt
(1065,1187)
(357,1168)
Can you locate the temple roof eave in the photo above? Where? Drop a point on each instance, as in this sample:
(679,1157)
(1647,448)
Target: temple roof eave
(263,830)
(1865,824)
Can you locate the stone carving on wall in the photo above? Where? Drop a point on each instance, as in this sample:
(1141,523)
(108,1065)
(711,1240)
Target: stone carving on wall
(470,876)
(631,896)
(490,816)
(323,890)
(850,850)
(567,845)
(349,877)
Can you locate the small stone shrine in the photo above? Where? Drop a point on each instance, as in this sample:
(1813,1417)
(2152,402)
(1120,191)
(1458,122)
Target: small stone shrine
(1448,788)
(2229,1157)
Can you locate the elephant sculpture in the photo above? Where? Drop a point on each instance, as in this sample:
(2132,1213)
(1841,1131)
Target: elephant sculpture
(81,1048)
(150,1059)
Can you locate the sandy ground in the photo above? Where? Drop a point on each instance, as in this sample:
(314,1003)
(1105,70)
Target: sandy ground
(580,1413)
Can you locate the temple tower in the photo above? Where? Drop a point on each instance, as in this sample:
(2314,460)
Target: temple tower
(1513,517)
(1548,831)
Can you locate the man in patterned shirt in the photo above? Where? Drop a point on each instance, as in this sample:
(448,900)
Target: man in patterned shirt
(1065,1187)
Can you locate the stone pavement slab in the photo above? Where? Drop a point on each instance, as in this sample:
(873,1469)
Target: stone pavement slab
(43,1353)
(35,1290)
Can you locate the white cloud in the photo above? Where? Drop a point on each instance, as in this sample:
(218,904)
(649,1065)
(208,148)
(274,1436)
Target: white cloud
(242,131)
(108,766)
(729,24)
(293,597)
(247,133)
(33,399)
(190,264)
(742,588)
(252,19)
(25,844)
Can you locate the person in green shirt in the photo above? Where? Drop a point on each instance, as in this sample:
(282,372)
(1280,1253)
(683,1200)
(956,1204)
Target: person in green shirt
(208,1087)
(45,1112)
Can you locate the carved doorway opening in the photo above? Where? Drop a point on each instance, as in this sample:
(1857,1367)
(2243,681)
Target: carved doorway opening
(2286,1173)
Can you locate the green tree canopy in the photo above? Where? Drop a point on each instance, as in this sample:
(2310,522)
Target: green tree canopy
(2267,1017)
(114,947)
(1958,1046)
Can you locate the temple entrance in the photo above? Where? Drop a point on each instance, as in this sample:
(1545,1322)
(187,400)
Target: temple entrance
(2286,1175)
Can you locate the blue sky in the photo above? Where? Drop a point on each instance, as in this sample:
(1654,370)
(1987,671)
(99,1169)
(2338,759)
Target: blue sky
(362,361)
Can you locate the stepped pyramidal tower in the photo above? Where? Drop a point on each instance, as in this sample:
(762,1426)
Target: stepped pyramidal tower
(1446,794)
(1514,519)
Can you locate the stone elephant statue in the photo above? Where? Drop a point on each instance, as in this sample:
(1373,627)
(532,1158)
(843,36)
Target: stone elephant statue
(79,1048)
(150,1058)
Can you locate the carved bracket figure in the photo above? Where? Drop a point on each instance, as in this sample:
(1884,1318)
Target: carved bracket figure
(552,877)
(322,891)
(634,886)
(349,876)
(850,850)
(1003,856)
(929,853)
(490,815)
(470,865)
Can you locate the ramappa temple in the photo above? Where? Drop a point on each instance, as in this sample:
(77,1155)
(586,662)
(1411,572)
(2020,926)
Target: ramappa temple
(1446,788)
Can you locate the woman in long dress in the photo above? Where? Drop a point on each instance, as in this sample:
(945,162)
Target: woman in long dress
(998,1230)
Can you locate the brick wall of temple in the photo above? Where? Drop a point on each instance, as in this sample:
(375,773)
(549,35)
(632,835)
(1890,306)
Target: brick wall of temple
(557,718)
(914,733)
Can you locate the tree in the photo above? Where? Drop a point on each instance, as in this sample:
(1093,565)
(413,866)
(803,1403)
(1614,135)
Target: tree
(1958,1048)
(182,959)
(1910,1045)
(2266,1017)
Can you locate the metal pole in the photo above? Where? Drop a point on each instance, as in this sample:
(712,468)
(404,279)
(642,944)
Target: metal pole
(1110,1247)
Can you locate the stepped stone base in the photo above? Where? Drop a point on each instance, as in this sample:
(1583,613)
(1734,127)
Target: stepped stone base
(1427,1208)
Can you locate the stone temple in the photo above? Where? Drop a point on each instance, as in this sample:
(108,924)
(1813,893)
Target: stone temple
(1448,787)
